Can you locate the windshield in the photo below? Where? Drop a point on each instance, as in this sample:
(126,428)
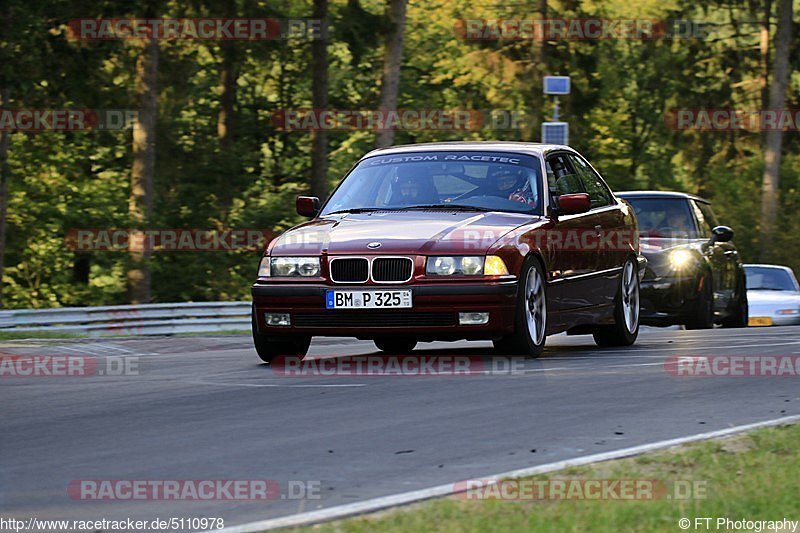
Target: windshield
(666,218)
(479,181)
(772,279)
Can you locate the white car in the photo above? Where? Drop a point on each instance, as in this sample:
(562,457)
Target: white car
(773,294)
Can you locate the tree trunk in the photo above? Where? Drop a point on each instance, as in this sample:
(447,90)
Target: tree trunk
(764,54)
(319,102)
(774,138)
(227,85)
(4,142)
(392,61)
(144,152)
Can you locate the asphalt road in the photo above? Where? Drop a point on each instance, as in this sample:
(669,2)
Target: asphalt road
(205,408)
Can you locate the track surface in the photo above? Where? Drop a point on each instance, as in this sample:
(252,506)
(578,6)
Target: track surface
(204,408)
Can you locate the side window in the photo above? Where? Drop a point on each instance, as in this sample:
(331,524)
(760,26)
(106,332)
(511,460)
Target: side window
(708,215)
(598,193)
(704,225)
(564,180)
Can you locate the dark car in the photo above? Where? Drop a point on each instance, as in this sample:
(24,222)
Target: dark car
(694,274)
(452,241)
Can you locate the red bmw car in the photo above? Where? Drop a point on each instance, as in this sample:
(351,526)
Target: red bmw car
(500,241)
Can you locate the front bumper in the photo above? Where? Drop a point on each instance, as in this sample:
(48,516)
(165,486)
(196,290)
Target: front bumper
(667,300)
(771,312)
(434,314)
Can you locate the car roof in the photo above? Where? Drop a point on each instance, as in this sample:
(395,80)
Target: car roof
(536,149)
(660,194)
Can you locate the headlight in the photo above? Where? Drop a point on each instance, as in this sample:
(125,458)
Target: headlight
(681,259)
(443,266)
(466,266)
(290,267)
(263,268)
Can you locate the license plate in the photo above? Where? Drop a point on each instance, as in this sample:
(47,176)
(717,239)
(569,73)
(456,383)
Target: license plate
(367,299)
(759,321)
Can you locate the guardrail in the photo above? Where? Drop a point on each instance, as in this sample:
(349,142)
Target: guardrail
(146,319)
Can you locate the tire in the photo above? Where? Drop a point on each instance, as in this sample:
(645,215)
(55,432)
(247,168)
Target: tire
(395,346)
(625,329)
(702,316)
(268,348)
(530,323)
(741,314)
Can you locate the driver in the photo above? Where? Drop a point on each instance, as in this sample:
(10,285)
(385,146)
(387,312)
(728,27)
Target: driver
(677,223)
(407,190)
(511,183)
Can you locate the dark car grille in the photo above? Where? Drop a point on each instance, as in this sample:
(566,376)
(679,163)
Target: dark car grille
(349,270)
(350,319)
(392,269)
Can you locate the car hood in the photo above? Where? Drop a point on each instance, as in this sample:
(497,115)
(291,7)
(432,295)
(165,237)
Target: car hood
(399,232)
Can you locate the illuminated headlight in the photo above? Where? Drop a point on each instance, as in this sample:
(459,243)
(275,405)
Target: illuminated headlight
(789,312)
(681,259)
(290,267)
(466,266)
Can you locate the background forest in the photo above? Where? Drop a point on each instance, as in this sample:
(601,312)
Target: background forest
(215,159)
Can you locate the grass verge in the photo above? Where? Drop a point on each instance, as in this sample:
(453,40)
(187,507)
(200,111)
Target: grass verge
(755,476)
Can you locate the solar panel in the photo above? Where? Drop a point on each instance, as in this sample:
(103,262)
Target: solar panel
(555,133)
(556,85)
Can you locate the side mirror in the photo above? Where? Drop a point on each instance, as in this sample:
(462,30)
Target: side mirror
(721,234)
(573,204)
(307,206)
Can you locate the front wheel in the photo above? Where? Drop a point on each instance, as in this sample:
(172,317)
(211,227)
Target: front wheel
(702,316)
(626,311)
(531,316)
(741,314)
(268,348)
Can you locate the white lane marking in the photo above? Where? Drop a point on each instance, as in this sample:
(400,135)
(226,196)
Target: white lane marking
(678,347)
(340,385)
(376,504)
(93,351)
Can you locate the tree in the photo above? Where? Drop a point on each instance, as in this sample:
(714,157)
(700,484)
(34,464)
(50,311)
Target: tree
(140,204)
(393,59)
(319,101)
(4,141)
(227,85)
(770,186)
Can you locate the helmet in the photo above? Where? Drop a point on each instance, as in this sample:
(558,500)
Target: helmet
(507,179)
